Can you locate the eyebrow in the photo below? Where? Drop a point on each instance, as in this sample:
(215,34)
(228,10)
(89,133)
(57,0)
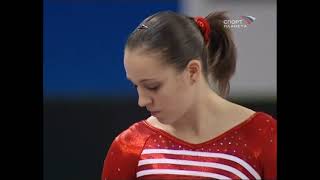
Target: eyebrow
(142,79)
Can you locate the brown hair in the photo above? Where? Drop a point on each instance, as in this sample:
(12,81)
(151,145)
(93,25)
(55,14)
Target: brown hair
(178,39)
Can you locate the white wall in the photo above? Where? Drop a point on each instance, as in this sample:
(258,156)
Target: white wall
(256,67)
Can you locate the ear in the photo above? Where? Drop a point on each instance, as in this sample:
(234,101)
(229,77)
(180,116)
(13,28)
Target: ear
(194,70)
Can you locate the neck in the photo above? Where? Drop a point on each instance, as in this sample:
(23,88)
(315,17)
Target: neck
(202,116)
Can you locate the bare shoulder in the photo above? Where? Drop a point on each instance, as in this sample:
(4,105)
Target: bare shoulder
(241,113)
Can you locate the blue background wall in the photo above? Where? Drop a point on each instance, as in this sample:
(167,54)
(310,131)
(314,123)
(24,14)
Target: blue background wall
(83,44)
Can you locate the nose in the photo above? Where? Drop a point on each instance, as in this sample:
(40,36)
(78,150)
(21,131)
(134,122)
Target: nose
(143,100)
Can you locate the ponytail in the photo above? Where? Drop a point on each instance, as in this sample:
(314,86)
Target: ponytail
(221,61)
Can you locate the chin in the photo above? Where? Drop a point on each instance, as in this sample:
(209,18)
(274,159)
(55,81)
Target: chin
(165,120)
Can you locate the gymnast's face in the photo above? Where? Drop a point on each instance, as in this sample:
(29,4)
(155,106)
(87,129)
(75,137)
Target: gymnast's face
(166,93)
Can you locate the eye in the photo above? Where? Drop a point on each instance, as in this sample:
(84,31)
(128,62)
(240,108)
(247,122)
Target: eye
(153,88)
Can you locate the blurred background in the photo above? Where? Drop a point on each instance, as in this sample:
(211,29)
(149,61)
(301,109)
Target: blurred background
(87,99)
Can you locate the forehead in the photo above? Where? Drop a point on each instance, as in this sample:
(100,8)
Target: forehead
(141,65)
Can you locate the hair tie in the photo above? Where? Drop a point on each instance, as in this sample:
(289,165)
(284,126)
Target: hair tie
(204,27)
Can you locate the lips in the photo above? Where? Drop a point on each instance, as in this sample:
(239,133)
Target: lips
(153,113)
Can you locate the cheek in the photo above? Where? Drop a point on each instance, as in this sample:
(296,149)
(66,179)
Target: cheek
(175,98)
(174,101)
